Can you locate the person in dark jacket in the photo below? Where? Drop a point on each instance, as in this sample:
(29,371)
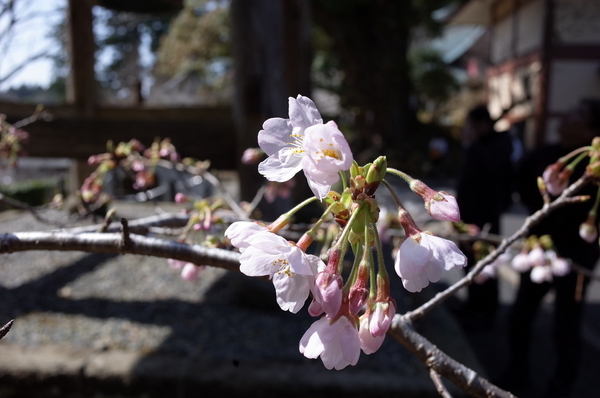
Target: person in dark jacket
(483,194)
(578,129)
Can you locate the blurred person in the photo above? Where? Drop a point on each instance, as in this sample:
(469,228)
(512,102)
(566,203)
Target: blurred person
(577,129)
(483,194)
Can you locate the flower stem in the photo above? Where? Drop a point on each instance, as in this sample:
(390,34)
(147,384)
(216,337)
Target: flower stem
(571,166)
(343,240)
(394,195)
(344,179)
(575,152)
(400,174)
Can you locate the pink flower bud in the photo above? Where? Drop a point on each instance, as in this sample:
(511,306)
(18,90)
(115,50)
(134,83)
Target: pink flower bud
(588,231)
(541,274)
(555,179)
(180,198)
(252,155)
(368,343)
(444,208)
(381,319)
(521,262)
(190,272)
(328,291)
(357,299)
(536,257)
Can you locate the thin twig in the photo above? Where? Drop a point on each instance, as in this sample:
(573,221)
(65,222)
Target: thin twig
(564,199)
(435,359)
(439,384)
(6,328)
(31,209)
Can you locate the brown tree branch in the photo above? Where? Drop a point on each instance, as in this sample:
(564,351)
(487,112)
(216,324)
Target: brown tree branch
(6,328)
(564,199)
(436,360)
(439,384)
(114,243)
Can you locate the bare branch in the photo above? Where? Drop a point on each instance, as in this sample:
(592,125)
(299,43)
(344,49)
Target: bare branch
(564,199)
(439,362)
(140,226)
(25,206)
(22,65)
(113,243)
(439,384)
(6,328)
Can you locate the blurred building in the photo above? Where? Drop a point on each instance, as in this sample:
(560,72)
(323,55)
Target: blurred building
(544,56)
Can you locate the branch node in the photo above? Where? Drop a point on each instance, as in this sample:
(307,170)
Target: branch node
(6,328)
(126,239)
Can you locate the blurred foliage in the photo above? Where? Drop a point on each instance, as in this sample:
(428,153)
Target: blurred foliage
(432,80)
(198,48)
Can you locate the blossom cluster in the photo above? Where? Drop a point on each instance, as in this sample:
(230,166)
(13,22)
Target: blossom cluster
(354,314)
(539,256)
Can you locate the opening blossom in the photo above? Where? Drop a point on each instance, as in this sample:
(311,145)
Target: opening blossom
(422,258)
(303,142)
(267,254)
(335,341)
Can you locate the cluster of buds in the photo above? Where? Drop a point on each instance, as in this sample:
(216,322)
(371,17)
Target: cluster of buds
(11,141)
(138,162)
(354,313)
(203,227)
(539,256)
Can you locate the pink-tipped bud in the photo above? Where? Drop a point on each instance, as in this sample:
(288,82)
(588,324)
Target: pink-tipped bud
(556,178)
(252,156)
(588,230)
(357,298)
(521,262)
(328,291)
(190,272)
(180,198)
(536,257)
(368,343)
(541,274)
(381,318)
(443,207)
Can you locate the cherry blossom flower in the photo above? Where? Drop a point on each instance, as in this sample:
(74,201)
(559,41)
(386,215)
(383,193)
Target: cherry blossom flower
(556,178)
(328,291)
(292,270)
(521,262)
(536,256)
(239,232)
(541,273)
(327,153)
(559,265)
(335,341)
(588,231)
(303,142)
(283,139)
(189,271)
(368,343)
(422,258)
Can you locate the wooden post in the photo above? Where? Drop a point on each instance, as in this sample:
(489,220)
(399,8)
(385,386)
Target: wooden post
(271,49)
(81,84)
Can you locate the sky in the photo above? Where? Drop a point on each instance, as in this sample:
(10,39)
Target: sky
(28,36)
